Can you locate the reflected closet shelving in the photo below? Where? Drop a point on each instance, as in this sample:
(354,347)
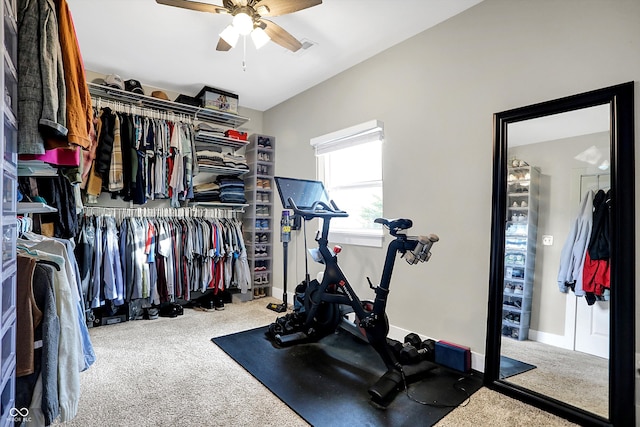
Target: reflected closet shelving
(520,249)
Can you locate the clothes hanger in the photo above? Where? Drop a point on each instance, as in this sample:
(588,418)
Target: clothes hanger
(47,262)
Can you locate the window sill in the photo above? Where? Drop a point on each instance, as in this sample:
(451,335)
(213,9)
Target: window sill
(355,238)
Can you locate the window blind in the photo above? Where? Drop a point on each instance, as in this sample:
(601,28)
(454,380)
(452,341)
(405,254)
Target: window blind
(370,131)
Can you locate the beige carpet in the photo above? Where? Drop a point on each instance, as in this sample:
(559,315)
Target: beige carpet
(167,372)
(576,378)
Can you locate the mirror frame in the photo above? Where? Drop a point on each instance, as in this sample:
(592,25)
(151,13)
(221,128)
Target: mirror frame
(622,234)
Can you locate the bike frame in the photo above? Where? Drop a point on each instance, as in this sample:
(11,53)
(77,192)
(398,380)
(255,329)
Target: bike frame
(374,322)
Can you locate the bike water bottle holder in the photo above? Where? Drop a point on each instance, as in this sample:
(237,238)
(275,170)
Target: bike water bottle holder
(422,251)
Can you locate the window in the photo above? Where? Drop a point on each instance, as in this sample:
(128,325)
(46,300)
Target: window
(350,165)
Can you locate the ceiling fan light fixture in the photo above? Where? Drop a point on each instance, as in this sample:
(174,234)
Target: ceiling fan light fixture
(259,37)
(262,10)
(230,35)
(243,23)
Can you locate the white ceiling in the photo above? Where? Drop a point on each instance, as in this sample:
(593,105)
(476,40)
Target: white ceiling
(174,48)
(584,121)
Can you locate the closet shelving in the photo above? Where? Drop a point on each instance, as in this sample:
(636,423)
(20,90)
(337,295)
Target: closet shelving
(204,140)
(520,250)
(8,222)
(258,221)
(198,113)
(34,208)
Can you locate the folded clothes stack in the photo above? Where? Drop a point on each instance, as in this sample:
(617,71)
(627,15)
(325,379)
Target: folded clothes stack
(231,189)
(235,161)
(206,129)
(214,159)
(207,192)
(210,159)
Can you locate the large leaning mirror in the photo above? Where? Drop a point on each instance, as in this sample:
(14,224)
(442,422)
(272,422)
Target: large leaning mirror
(561,324)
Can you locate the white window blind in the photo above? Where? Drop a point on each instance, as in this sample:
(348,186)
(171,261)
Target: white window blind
(370,131)
(350,165)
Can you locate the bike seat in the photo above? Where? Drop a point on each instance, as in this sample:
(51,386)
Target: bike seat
(397,224)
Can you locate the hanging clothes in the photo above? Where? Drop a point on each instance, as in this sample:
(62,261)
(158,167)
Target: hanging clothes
(36,288)
(58,192)
(585,259)
(78,99)
(570,275)
(140,158)
(597,266)
(54,345)
(41,87)
(145,262)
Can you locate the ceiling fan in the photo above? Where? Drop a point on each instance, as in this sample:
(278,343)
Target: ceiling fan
(248,19)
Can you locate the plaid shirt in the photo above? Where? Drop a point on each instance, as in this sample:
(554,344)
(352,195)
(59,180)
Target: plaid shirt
(116,174)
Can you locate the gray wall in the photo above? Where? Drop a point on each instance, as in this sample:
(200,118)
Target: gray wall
(436,94)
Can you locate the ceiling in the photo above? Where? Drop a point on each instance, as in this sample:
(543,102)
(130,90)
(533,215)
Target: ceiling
(584,121)
(174,49)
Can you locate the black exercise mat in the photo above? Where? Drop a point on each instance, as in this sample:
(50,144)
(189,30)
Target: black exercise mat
(326,382)
(510,367)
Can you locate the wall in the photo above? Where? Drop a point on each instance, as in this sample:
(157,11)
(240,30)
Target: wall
(436,94)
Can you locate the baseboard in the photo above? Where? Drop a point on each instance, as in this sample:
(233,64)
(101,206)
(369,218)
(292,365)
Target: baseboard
(550,339)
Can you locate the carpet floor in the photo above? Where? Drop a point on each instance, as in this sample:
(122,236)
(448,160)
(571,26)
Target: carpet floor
(166,372)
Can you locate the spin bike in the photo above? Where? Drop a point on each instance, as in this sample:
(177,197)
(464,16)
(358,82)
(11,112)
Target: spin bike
(327,303)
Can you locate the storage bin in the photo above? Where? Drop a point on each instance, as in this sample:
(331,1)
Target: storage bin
(218,100)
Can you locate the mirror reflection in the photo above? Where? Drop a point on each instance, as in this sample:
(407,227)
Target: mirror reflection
(555,312)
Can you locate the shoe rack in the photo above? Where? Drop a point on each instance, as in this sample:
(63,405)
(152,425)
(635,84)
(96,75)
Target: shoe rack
(258,220)
(520,248)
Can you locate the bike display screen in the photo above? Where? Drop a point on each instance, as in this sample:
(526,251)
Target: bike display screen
(303,192)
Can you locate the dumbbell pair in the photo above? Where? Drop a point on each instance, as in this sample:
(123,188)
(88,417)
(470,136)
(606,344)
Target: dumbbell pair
(413,350)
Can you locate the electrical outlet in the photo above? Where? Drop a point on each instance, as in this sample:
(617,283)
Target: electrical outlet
(547,240)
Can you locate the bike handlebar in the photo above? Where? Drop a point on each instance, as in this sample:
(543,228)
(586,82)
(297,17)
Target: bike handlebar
(319,209)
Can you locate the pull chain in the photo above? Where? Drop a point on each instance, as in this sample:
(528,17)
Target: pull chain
(244,53)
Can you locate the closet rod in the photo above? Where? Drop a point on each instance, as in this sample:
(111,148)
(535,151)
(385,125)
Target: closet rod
(123,107)
(182,212)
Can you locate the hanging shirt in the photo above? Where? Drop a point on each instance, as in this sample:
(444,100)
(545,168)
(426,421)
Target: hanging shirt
(573,252)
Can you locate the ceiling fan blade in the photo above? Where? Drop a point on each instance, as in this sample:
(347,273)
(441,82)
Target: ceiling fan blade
(194,5)
(282,7)
(280,35)
(223,45)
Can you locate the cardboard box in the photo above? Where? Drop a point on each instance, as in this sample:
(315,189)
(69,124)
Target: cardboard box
(217,99)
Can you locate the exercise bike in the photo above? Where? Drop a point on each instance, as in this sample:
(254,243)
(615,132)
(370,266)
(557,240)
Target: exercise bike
(326,304)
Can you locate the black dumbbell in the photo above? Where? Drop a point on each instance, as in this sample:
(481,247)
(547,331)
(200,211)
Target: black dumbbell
(413,339)
(430,346)
(395,346)
(410,354)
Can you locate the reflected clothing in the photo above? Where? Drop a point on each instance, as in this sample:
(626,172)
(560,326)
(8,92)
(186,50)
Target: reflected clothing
(573,252)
